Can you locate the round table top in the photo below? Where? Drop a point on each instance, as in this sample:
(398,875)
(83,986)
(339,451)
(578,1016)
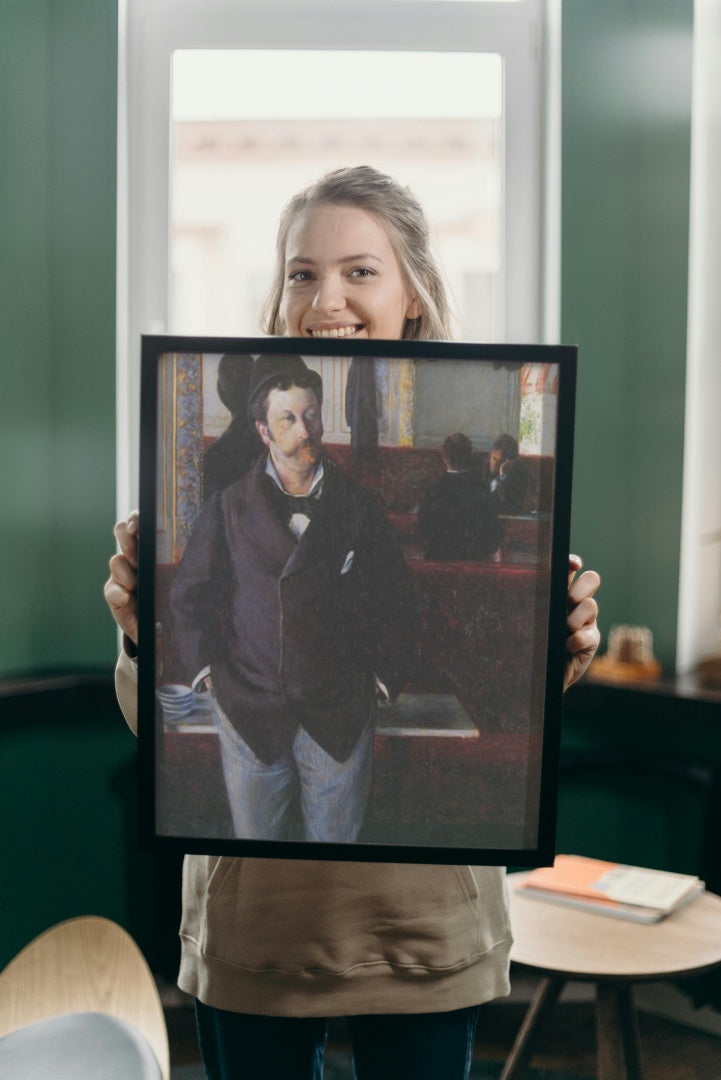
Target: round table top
(559,940)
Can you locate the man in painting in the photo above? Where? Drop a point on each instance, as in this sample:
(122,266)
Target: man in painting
(293,605)
(457,518)
(507,477)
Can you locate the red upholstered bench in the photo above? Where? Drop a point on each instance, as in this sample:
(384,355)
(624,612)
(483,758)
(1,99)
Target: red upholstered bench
(482,639)
(401,475)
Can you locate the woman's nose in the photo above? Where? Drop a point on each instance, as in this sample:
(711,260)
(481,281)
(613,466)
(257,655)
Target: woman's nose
(329,295)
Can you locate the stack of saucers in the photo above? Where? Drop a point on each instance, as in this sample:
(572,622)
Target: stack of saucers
(176,701)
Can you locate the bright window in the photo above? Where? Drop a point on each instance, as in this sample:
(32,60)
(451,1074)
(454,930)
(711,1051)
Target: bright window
(238,156)
(227,107)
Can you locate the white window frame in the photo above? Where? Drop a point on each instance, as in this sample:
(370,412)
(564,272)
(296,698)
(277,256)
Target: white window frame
(526,34)
(699,597)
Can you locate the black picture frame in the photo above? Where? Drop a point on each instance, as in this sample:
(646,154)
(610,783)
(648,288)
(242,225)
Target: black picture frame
(465,759)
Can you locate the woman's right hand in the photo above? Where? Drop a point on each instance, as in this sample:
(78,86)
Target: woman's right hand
(120,589)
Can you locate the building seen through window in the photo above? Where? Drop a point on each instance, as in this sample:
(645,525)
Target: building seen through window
(236,161)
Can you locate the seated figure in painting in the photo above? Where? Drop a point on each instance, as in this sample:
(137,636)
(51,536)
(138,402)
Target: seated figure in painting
(457,519)
(506,476)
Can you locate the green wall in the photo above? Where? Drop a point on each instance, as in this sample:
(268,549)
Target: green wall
(67,761)
(68,801)
(57,326)
(625,200)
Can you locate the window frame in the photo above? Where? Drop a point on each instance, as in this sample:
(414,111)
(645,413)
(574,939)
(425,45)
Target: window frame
(698,632)
(526,34)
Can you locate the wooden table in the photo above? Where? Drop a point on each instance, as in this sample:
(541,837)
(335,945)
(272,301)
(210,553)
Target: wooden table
(563,944)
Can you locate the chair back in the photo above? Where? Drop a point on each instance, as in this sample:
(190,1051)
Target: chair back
(86,964)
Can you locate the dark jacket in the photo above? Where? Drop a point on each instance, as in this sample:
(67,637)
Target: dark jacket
(457,518)
(294,631)
(509,491)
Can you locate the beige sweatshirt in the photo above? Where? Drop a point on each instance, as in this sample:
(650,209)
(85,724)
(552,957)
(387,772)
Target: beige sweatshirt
(297,938)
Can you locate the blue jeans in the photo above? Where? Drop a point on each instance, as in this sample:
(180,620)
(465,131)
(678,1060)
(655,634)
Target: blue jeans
(414,1046)
(333,794)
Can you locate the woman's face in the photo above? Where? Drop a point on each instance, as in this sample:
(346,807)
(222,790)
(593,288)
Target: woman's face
(342,277)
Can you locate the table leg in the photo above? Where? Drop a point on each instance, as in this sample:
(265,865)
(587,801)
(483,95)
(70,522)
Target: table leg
(617,1033)
(545,997)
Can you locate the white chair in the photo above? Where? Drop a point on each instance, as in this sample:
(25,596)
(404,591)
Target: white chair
(80,1002)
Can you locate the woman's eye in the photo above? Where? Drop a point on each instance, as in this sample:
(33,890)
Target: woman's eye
(300,276)
(362,272)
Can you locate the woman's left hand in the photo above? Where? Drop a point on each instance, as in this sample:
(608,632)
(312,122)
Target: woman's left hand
(583,636)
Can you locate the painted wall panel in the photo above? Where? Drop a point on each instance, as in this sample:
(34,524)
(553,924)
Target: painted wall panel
(57,313)
(626,144)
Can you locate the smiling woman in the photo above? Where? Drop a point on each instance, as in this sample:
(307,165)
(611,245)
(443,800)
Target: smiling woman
(353,259)
(300,632)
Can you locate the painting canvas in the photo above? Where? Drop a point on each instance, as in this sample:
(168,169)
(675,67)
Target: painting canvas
(353,573)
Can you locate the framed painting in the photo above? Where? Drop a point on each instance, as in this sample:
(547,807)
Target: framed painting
(352,597)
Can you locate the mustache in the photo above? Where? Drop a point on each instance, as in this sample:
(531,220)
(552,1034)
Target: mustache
(314,444)
(311,440)
(307,444)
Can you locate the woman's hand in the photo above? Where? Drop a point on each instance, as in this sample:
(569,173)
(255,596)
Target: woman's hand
(121,587)
(583,636)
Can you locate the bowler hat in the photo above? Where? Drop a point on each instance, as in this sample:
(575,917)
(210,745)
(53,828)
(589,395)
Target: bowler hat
(272,368)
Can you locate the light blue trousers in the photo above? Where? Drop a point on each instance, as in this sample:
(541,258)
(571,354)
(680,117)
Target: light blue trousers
(333,794)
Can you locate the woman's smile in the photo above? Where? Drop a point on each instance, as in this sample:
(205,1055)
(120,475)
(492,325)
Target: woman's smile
(335,331)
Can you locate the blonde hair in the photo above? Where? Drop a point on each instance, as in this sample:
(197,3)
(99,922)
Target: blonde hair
(403,217)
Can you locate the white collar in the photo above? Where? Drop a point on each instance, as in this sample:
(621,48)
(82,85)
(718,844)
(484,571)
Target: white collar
(272,472)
